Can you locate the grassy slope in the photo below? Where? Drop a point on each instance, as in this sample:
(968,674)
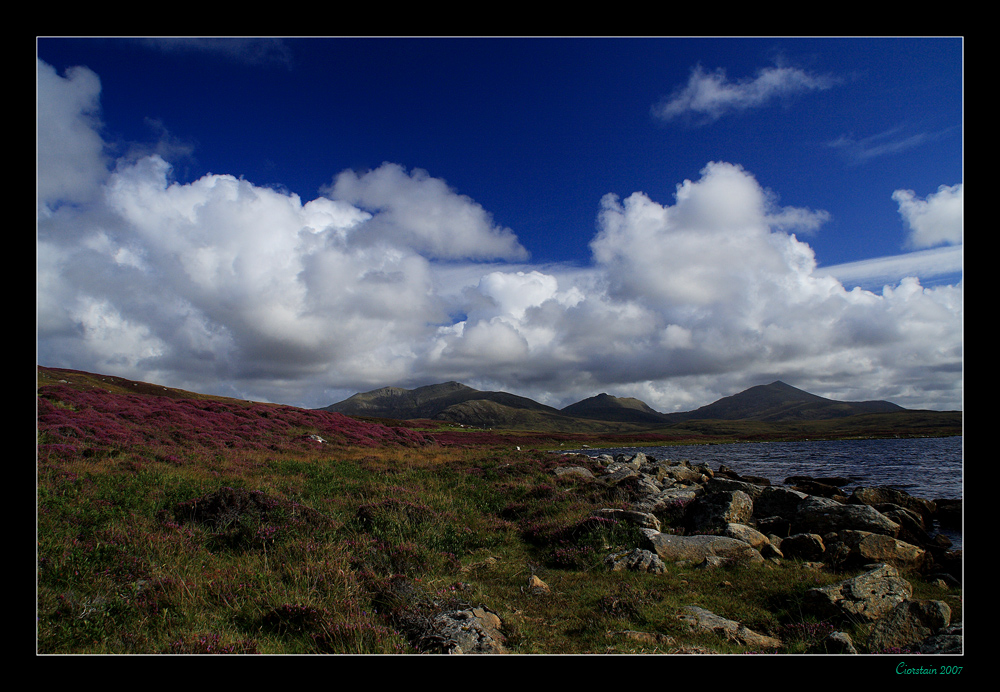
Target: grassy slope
(130,558)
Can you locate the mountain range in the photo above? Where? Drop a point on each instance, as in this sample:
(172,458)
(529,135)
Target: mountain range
(457,403)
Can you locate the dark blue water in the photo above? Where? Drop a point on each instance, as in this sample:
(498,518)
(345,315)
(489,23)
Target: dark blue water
(929,467)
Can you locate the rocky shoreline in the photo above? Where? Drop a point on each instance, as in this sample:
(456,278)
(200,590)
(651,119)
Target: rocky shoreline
(695,516)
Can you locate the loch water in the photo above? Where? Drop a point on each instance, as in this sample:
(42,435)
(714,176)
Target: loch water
(927,467)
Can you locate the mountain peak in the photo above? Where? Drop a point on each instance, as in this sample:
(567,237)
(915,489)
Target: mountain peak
(607,407)
(780,401)
(774,402)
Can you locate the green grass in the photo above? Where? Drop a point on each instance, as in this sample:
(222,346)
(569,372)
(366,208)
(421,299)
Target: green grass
(295,554)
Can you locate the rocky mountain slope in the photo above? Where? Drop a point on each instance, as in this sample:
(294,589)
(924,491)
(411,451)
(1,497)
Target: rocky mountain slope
(622,409)
(426,402)
(780,402)
(772,403)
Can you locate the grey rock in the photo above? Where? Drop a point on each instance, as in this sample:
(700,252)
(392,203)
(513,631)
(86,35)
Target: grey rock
(909,624)
(821,515)
(714,511)
(636,561)
(711,562)
(706,620)
(652,638)
(695,549)
(616,473)
(643,519)
(947,641)
(881,495)
(866,597)
(803,546)
(648,485)
(537,586)
(720,483)
(573,471)
(777,502)
(838,643)
(635,461)
(472,631)
(669,505)
(912,528)
(747,534)
(682,474)
(857,548)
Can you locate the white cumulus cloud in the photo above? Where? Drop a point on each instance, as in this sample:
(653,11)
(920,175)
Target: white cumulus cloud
(394,278)
(936,220)
(425,214)
(70,148)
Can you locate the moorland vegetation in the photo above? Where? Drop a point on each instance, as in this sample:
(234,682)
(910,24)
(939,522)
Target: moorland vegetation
(172,522)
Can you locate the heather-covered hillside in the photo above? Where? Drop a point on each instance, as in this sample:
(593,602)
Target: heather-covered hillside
(75,421)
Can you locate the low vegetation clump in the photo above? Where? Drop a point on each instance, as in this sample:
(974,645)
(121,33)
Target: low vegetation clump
(194,526)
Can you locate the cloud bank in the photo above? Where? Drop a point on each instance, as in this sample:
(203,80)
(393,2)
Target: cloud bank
(391,277)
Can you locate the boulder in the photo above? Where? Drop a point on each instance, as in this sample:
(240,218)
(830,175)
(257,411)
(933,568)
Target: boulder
(947,641)
(822,515)
(702,619)
(909,624)
(881,495)
(695,549)
(537,586)
(635,461)
(711,562)
(713,511)
(457,629)
(747,534)
(616,473)
(775,501)
(643,519)
(866,597)
(773,547)
(681,474)
(635,561)
(772,526)
(472,631)
(669,505)
(857,548)
(647,485)
(838,643)
(650,638)
(813,487)
(726,472)
(573,471)
(912,527)
(803,546)
(949,561)
(723,483)
(704,470)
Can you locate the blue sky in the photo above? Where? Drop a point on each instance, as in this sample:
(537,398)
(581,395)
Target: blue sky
(676,219)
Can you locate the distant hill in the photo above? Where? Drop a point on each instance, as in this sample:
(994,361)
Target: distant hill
(774,411)
(427,402)
(452,401)
(779,402)
(612,408)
